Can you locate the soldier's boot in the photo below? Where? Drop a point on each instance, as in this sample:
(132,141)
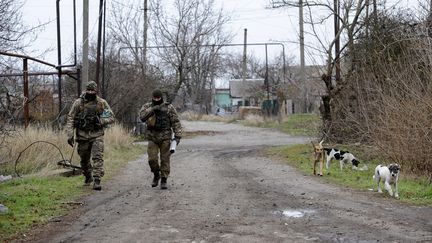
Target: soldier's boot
(96,185)
(156,178)
(163,185)
(88,180)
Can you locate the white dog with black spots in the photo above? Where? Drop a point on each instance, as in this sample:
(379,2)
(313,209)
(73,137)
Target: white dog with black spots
(344,157)
(389,175)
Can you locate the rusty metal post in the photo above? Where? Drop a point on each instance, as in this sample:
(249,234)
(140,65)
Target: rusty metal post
(59,58)
(26,93)
(79,81)
(60,90)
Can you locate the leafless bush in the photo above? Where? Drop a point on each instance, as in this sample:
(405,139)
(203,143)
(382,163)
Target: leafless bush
(388,100)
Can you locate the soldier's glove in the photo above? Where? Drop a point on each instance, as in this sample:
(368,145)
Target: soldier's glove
(71,141)
(156,108)
(177,139)
(97,123)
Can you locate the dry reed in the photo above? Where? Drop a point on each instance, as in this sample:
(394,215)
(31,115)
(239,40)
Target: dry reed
(44,156)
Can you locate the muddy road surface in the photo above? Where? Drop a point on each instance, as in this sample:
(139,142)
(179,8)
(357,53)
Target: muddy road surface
(223,188)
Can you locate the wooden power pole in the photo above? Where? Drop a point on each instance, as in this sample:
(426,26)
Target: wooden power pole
(337,43)
(144,51)
(85,50)
(302,45)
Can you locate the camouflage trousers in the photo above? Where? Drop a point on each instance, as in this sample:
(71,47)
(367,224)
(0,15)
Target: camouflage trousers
(153,150)
(94,149)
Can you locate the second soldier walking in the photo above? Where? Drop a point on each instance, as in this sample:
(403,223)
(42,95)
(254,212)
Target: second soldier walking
(162,121)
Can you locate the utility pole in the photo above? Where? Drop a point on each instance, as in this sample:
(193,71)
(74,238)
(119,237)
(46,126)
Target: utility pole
(99,43)
(213,90)
(266,74)
(302,45)
(429,20)
(85,67)
(266,82)
(244,63)
(144,58)
(375,12)
(337,43)
(367,19)
(59,59)
(103,91)
(302,57)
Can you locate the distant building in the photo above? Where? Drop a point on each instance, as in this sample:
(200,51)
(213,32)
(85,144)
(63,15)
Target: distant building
(249,92)
(223,99)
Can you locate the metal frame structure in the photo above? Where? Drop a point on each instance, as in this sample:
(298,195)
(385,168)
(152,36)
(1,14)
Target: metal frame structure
(25,74)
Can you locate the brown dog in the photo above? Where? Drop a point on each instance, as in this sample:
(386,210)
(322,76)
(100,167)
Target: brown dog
(318,157)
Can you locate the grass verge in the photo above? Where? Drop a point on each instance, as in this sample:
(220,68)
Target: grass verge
(34,200)
(295,124)
(411,190)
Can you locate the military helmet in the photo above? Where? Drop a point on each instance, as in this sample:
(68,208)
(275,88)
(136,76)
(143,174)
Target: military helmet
(91,85)
(157,93)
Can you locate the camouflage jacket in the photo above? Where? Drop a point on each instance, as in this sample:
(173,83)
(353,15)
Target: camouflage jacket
(105,114)
(150,114)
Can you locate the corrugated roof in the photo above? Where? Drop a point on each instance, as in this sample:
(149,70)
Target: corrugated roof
(246,88)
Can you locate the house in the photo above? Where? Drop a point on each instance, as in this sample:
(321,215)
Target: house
(249,92)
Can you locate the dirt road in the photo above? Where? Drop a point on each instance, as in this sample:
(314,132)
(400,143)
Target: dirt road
(223,189)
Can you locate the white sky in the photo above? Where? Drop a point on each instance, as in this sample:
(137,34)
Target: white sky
(264,25)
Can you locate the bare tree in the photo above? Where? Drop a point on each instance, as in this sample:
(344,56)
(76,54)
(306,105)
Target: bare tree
(14,35)
(347,14)
(392,86)
(232,66)
(11,27)
(125,26)
(190,30)
(129,81)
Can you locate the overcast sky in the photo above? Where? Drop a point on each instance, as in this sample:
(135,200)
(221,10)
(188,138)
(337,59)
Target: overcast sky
(264,25)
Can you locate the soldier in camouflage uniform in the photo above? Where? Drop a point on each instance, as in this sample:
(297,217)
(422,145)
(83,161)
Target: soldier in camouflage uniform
(162,121)
(87,119)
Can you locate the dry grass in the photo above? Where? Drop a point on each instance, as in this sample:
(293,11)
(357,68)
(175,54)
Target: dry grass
(117,136)
(193,116)
(254,120)
(44,156)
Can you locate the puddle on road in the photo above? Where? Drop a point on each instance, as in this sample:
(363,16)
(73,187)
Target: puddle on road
(293,213)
